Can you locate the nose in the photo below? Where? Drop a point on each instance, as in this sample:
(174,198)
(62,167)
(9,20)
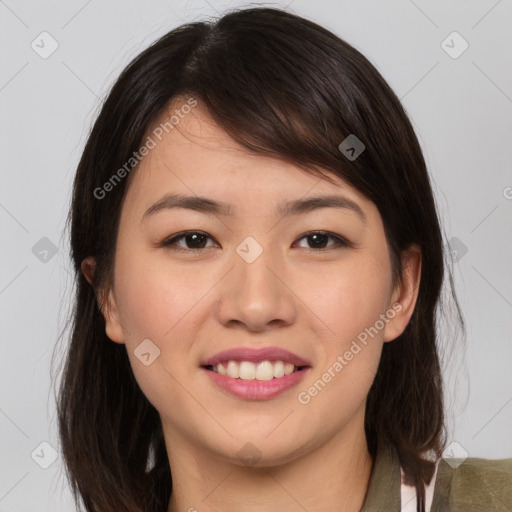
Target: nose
(255,296)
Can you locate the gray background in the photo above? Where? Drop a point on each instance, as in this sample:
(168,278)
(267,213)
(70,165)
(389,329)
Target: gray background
(461,109)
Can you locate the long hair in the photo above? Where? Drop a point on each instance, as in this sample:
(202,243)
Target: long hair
(281,86)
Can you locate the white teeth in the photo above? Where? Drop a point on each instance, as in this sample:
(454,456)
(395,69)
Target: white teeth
(288,368)
(264,371)
(246,370)
(233,370)
(278,369)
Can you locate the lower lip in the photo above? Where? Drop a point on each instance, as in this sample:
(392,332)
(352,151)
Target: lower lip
(256,389)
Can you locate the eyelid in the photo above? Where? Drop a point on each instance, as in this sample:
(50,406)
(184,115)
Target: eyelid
(341,241)
(166,243)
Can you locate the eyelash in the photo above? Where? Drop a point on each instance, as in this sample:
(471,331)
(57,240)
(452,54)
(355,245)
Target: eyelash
(341,242)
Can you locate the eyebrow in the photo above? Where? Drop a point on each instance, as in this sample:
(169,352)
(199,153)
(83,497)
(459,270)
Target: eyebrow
(285,209)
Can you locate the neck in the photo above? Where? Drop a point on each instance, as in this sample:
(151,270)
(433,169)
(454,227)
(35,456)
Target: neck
(333,476)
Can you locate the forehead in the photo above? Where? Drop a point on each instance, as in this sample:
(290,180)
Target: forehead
(193,155)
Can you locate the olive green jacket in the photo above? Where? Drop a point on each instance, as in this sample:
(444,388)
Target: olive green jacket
(476,485)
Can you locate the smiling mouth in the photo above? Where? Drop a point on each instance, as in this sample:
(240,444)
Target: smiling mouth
(263,371)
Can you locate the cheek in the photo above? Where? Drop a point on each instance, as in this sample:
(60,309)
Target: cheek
(154,297)
(350,298)
(351,305)
(157,305)
(164,303)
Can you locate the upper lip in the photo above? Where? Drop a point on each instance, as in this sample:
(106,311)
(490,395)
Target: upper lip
(256,355)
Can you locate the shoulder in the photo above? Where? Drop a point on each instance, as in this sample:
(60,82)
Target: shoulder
(473,484)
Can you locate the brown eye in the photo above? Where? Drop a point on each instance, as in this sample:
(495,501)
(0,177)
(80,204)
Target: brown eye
(319,240)
(196,240)
(193,240)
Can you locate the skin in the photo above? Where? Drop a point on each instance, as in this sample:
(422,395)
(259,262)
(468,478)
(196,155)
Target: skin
(196,303)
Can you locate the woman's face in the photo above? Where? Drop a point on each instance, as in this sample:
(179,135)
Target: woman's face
(250,275)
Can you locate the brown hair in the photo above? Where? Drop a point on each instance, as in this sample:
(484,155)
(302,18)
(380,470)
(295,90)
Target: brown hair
(282,86)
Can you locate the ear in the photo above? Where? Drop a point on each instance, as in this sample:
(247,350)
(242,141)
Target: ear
(108,306)
(88,266)
(405,294)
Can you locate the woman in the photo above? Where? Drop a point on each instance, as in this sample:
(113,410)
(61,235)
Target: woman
(259,264)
